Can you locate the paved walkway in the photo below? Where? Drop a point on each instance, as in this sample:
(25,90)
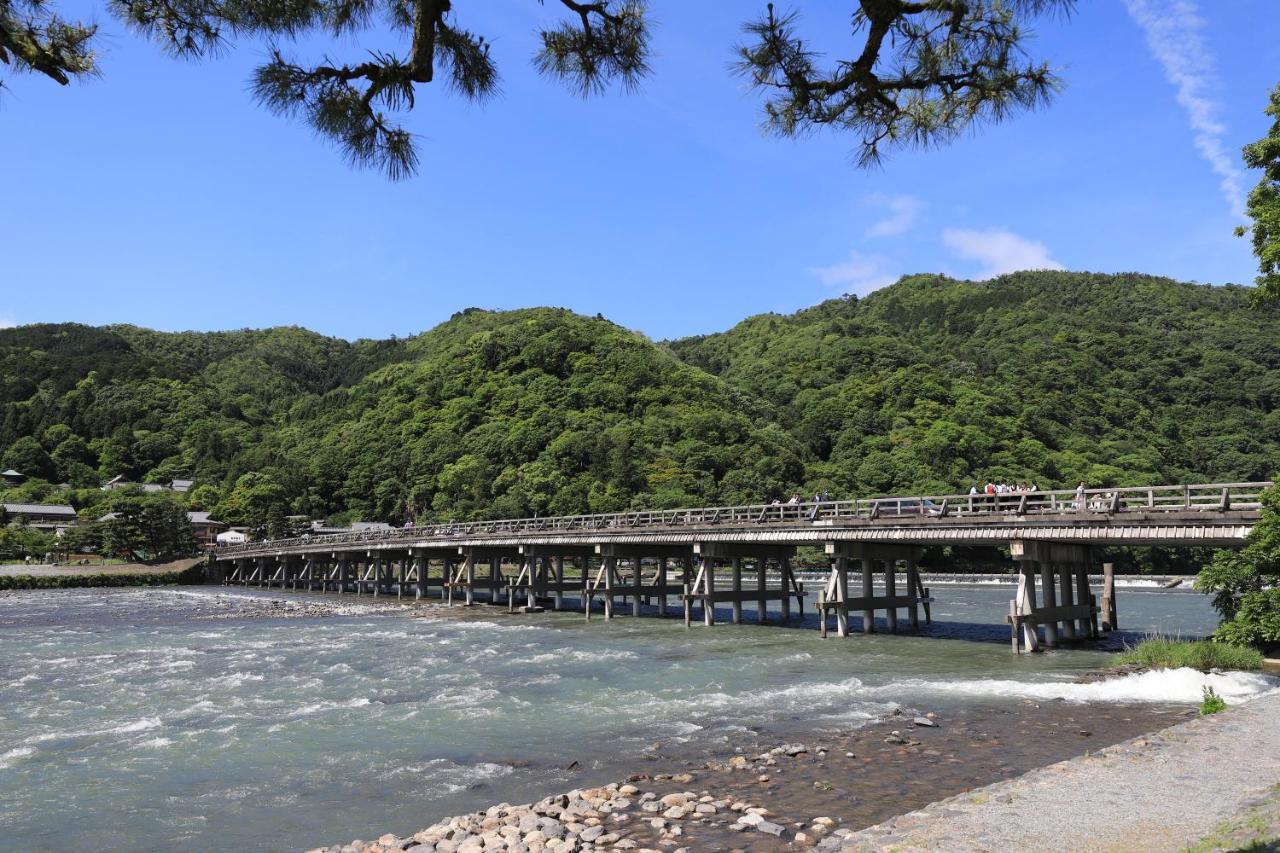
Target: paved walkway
(1161,792)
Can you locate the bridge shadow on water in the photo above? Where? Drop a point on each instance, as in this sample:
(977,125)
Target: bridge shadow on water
(991,633)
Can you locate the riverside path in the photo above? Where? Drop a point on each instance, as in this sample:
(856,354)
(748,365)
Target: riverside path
(743,555)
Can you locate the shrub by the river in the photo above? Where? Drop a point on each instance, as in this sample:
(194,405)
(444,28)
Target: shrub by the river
(1203,655)
(1212,703)
(1245,584)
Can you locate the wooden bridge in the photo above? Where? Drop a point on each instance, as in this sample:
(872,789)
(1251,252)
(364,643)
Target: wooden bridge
(701,557)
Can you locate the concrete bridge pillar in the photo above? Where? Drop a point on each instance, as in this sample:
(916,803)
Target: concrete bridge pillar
(559,570)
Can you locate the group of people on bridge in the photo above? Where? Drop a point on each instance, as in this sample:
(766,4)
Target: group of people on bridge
(1006,489)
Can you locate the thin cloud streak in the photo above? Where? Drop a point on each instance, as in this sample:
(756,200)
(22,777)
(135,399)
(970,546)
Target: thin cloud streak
(1172,29)
(904,211)
(860,274)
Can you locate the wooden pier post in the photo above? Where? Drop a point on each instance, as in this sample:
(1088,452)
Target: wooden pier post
(891,591)
(637,584)
(1084,595)
(469,578)
(609,568)
(708,572)
(736,567)
(762,583)
(868,592)
(913,584)
(842,596)
(660,581)
(1067,631)
(788,585)
(1050,601)
(1109,617)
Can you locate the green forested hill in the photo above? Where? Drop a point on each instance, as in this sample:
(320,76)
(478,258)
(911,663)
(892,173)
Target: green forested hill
(929,385)
(933,384)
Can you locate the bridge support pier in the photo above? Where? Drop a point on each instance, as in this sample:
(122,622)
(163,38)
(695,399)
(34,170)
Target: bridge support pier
(836,595)
(703,588)
(1072,618)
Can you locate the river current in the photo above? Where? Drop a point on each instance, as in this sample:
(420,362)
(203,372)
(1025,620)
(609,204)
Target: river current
(187,718)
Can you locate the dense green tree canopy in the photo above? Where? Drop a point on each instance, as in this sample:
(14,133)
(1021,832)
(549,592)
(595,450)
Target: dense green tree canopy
(922,72)
(931,385)
(1264,203)
(1245,584)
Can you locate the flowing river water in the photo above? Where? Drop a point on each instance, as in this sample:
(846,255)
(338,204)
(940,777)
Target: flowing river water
(212,719)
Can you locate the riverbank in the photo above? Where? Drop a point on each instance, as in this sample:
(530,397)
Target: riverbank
(17,577)
(1174,790)
(794,795)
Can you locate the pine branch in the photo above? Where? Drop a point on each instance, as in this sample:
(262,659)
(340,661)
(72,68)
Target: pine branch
(926,71)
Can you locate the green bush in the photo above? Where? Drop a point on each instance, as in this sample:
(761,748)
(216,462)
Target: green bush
(1212,703)
(1245,584)
(1204,655)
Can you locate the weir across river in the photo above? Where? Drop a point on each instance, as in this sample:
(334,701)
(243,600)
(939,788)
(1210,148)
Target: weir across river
(743,554)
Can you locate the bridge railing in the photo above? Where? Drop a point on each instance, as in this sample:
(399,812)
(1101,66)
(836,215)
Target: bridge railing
(1207,497)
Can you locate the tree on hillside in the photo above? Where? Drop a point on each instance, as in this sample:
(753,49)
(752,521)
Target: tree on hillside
(27,457)
(149,526)
(921,72)
(1263,205)
(257,501)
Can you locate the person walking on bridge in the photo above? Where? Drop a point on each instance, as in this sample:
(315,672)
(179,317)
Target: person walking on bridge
(1080,496)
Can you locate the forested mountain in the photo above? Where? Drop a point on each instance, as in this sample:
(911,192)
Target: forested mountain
(929,385)
(933,384)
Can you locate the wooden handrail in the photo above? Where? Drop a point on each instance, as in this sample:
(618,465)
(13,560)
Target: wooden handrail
(1222,497)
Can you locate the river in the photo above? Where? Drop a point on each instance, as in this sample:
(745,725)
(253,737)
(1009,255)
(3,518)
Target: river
(217,719)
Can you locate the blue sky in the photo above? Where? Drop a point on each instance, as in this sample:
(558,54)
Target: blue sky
(161,195)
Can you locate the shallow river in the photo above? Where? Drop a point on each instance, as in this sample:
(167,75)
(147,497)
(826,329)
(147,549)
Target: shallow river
(213,719)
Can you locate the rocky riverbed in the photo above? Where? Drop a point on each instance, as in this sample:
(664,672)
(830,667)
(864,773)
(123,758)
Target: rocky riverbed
(794,795)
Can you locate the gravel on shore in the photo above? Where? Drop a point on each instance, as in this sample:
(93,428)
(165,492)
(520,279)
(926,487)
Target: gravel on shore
(793,796)
(1160,792)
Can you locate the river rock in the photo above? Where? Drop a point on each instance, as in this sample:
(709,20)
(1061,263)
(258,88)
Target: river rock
(671,800)
(924,721)
(794,749)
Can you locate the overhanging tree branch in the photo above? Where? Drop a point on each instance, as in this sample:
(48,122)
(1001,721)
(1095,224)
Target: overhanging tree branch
(926,71)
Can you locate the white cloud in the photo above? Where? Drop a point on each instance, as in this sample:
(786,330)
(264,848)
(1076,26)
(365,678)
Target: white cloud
(904,211)
(860,274)
(999,250)
(7,321)
(1172,29)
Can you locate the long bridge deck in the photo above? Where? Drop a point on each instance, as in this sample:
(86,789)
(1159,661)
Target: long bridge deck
(630,556)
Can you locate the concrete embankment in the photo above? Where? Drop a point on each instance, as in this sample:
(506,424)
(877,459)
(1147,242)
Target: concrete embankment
(1160,792)
(63,577)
